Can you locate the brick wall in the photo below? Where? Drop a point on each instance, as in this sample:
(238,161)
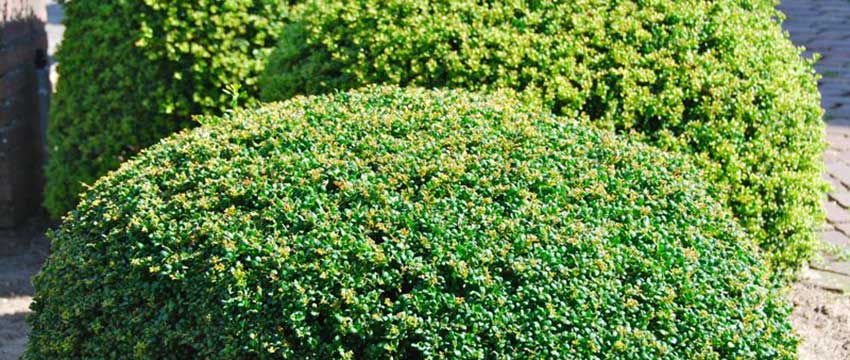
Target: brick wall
(23,70)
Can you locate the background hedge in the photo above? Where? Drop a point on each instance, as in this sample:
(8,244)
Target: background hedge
(133,71)
(391,223)
(716,79)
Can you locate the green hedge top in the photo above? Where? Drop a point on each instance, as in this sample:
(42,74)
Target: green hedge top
(390,223)
(133,71)
(717,79)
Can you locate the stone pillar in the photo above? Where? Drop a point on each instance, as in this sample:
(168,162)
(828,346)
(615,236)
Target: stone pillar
(23,64)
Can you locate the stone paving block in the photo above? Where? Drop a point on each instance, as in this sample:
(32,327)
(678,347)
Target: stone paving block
(839,170)
(834,184)
(833,265)
(838,141)
(832,101)
(841,123)
(827,280)
(831,83)
(842,198)
(833,58)
(844,228)
(839,112)
(833,77)
(833,155)
(833,87)
(835,214)
(838,127)
(836,238)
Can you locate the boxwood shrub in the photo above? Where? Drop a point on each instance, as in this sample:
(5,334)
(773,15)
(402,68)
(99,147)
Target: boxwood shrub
(716,79)
(133,71)
(388,223)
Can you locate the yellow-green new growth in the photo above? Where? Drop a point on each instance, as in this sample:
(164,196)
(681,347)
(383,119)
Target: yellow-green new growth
(396,223)
(715,79)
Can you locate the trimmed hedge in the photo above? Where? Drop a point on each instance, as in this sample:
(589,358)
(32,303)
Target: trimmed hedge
(391,223)
(717,79)
(134,71)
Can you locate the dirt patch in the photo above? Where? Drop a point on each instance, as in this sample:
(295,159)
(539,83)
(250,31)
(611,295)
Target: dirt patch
(822,320)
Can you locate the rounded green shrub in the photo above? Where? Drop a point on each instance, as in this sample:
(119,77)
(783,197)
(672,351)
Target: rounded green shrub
(133,71)
(392,223)
(716,79)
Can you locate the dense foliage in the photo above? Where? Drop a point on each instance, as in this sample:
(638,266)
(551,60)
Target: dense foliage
(133,71)
(388,223)
(717,79)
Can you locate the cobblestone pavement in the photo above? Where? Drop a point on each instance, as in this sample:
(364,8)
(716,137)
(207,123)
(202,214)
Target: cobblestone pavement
(821,305)
(823,27)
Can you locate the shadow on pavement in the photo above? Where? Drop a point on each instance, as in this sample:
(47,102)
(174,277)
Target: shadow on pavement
(22,252)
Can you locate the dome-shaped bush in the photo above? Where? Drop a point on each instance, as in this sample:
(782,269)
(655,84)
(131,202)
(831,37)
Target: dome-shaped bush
(717,79)
(390,223)
(134,71)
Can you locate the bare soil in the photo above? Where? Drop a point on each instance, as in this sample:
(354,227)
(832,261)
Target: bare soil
(822,320)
